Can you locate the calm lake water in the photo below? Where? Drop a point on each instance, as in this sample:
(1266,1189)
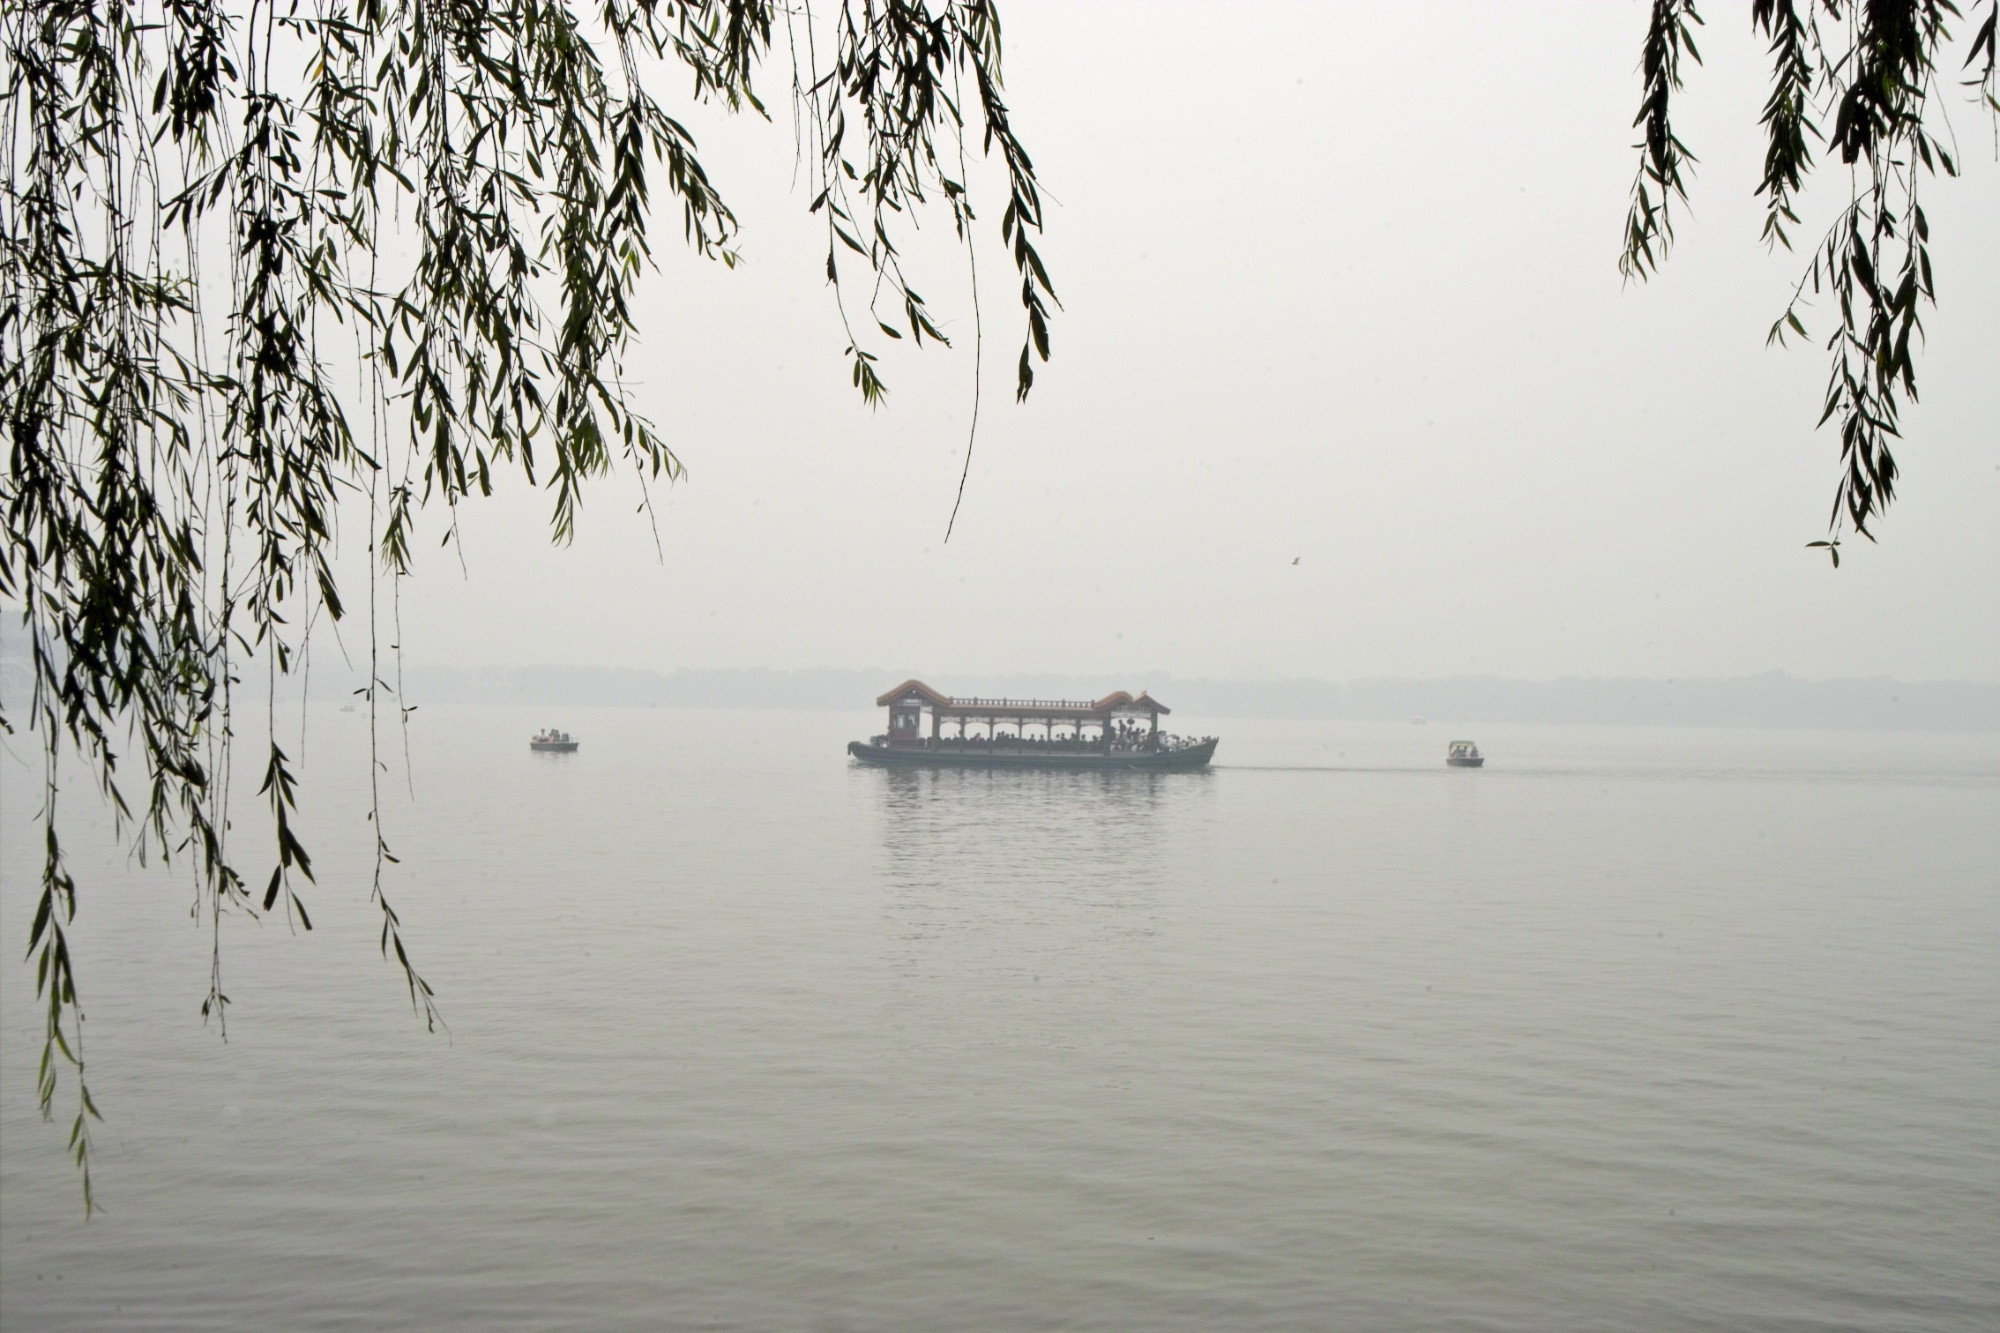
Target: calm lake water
(1633,1029)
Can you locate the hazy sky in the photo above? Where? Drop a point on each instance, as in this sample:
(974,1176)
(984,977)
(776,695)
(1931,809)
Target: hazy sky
(1339,285)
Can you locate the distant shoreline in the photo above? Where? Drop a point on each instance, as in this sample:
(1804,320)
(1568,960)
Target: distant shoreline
(1771,700)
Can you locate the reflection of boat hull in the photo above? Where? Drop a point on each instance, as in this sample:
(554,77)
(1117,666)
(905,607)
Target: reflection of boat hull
(553,747)
(1144,761)
(1461,761)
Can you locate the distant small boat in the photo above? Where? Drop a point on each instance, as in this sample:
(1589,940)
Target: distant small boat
(551,739)
(1464,754)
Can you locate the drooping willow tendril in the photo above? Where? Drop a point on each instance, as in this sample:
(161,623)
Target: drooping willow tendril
(1870,71)
(469,189)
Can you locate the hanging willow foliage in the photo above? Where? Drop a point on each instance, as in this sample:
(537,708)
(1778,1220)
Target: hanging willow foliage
(260,258)
(1873,68)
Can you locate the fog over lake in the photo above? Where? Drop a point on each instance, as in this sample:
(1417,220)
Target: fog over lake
(1635,1028)
(1339,288)
(1681,1013)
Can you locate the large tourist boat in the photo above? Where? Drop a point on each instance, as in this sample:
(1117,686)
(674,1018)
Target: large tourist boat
(549,740)
(1120,731)
(1464,754)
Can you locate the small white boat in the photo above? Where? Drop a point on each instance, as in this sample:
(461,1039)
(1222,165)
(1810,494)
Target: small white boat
(1464,754)
(550,739)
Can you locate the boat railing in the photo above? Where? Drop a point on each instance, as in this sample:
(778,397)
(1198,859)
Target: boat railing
(1093,743)
(1065,705)
(1161,742)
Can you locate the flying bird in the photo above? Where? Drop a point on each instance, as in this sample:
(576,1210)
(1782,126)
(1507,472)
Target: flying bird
(1297,558)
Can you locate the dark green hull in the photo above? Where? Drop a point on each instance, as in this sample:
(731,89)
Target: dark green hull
(1133,761)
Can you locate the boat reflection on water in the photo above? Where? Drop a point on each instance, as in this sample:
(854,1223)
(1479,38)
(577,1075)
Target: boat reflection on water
(1044,893)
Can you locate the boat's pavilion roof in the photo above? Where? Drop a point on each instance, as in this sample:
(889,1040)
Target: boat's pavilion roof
(916,692)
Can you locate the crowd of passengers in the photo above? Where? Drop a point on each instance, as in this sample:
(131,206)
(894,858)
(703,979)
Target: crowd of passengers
(1124,736)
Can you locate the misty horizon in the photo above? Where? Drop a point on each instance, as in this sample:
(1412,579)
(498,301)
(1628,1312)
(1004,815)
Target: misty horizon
(1345,385)
(1446,793)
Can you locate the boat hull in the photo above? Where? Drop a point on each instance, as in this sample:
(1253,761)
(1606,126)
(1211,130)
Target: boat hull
(1467,763)
(553,747)
(1140,761)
